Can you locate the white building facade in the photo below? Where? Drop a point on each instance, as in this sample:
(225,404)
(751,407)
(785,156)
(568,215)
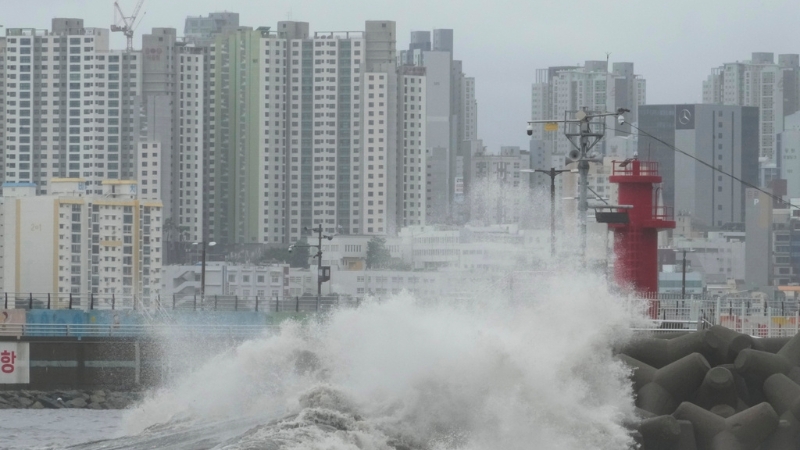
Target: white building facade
(71,106)
(73,242)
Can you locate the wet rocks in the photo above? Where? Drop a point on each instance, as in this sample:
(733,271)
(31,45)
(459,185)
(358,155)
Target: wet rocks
(95,399)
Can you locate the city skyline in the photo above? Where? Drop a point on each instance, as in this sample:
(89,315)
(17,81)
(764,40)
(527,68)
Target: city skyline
(534,36)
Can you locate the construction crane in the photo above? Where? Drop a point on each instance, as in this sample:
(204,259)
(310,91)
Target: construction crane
(126,24)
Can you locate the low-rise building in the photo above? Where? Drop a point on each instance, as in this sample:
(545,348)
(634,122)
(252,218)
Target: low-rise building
(222,279)
(72,242)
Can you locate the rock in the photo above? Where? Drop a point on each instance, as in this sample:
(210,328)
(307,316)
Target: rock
(24,401)
(97,398)
(94,406)
(50,403)
(77,403)
(37,405)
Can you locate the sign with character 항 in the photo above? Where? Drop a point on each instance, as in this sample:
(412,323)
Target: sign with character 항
(14,363)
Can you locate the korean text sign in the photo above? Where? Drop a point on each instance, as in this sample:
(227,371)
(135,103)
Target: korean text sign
(14,363)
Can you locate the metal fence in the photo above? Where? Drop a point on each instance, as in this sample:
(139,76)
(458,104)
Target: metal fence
(90,302)
(131,330)
(748,315)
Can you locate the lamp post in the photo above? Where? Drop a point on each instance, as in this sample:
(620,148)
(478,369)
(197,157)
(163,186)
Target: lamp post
(203,267)
(552,173)
(683,272)
(320,275)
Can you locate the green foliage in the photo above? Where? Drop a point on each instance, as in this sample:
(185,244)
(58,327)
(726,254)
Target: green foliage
(298,257)
(378,256)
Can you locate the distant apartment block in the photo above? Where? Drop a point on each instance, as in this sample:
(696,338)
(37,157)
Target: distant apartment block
(761,82)
(561,89)
(451,122)
(74,241)
(71,106)
(281,129)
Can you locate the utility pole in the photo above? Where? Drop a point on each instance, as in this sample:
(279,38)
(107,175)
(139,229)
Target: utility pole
(204,244)
(552,173)
(323,273)
(579,126)
(683,273)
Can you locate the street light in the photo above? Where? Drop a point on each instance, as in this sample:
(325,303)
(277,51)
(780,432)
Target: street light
(322,276)
(203,267)
(683,275)
(552,173)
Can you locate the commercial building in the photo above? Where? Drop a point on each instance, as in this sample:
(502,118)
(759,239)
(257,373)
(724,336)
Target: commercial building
(760,82)
(71,106)
(72,241)
(182,283)
(723,136)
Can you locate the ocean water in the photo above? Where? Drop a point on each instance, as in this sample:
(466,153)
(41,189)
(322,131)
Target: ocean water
(406,373)
(56,428)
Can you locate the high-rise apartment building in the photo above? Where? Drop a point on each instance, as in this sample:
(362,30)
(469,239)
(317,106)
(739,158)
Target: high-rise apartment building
(72,241)
(412,161)
(201,31)
(71,106)
(281,130)
(452,121)
(160,114)
(724,136)
(561,89)
(772,87)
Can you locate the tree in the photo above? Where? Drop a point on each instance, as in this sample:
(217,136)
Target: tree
(298,257)
(378,256)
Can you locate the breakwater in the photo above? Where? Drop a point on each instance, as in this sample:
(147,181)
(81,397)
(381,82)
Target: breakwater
(58,399)
(715,389)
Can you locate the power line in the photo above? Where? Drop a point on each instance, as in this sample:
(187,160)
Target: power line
(710,166)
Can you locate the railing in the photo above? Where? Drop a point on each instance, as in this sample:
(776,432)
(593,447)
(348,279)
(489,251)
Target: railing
(634,167)
(131,330)
(31,301)
(663,213)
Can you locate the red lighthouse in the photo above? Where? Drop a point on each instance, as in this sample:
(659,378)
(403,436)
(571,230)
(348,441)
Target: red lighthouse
(636,239)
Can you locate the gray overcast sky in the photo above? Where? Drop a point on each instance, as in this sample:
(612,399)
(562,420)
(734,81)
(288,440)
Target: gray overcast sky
(674,44)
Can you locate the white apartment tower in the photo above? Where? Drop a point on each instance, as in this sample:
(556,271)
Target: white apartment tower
(284,130)
(412,198)
(773,87)
(71,106)
(561,89)
(71,241)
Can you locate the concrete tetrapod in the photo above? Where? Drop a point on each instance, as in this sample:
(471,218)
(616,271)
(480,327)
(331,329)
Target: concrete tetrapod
(718,388)
(724,344)
(673,384)
(760,365)
(783,394)
(641,373)
(743,431)
(770,345)
(660,433)
(660,352)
